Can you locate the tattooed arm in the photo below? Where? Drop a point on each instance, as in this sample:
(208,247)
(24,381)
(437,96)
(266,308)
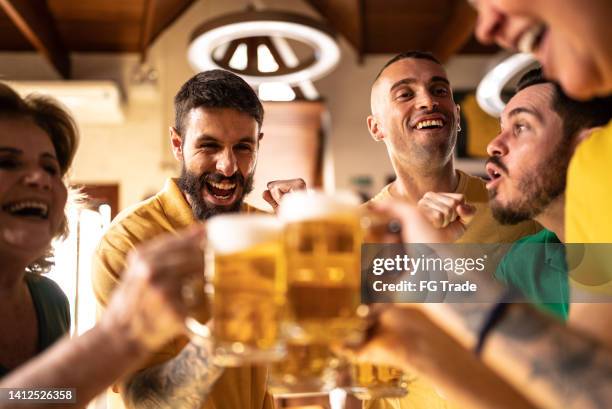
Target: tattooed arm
(553,365)
(183,382)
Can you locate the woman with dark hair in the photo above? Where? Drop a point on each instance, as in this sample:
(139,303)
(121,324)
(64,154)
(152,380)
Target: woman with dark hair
(38,140)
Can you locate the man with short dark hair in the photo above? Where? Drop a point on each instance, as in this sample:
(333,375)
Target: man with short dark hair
(215,179)
(216,139)
(415,116)
(539,119)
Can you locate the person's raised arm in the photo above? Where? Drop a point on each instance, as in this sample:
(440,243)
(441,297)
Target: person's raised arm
(145,312)
(552,364)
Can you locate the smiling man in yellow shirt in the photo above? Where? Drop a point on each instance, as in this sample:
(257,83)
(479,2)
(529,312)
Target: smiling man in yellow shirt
(415,116)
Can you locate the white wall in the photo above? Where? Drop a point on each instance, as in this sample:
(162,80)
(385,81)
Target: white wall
(137,154)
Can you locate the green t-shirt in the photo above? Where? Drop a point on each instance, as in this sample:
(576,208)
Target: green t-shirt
(52,312)
(536,266)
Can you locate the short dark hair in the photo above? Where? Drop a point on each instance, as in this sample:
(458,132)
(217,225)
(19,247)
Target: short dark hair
(419,55)
(216,89)
(49,116)
(576,115)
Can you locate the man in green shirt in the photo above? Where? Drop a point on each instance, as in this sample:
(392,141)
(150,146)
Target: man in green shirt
(536,265)
(540,128)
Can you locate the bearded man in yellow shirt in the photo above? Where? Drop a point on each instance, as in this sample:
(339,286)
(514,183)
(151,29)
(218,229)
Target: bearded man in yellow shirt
(216,139)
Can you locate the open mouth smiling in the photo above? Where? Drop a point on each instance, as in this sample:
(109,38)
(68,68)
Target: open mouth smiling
(223,190)
(31,209)
(430,122)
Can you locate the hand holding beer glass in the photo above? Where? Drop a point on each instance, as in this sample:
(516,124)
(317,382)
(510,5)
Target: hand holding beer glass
(370,381)
(308,262)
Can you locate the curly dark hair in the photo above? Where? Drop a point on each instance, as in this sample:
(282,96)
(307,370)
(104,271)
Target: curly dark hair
(576,115)
(49,116)
(216,89)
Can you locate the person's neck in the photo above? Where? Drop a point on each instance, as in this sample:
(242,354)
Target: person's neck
(11,280)
(412,182)
(552,218)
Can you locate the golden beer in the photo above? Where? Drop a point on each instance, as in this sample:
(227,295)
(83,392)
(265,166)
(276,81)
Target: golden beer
(322,239)
(369,381)
(307,368)
(377,381)
(248,288)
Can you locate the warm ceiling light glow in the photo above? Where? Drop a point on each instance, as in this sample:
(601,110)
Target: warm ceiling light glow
(225,29)
(265,60)
(239,60)
(275,91)
(488,93)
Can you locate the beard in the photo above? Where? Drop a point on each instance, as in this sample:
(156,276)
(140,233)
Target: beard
(538,189)
(193,185)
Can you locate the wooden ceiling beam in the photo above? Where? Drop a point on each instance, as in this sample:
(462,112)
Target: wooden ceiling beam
(456,31)
(146,27)
(33,18)
(156,17)
(348,19)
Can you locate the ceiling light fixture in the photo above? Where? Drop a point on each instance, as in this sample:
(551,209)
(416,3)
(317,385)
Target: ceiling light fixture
(214,43)
(489,91)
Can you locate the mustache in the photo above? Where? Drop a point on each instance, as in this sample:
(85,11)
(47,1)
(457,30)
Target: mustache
(219,178)
(497,162)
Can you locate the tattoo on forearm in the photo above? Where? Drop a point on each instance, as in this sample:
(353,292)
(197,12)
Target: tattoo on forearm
(183,382)
(472,315)
(577,370)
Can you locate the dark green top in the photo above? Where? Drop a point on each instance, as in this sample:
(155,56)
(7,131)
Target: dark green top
(536,266)
(52,312)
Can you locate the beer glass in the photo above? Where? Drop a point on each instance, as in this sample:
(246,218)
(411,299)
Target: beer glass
(247,281)
(322,240)
(377,381)
(307,368)
(369,381)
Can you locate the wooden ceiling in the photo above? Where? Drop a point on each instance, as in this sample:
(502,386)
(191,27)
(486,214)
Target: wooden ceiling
(444,27)
(57,27)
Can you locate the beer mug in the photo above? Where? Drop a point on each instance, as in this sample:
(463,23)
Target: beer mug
(247,282)
(306,369)
(322,241)
(371,381)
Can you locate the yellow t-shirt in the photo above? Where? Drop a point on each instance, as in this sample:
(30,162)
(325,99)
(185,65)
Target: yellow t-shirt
(588,196)
(483,229)
(168,211)
(588,208)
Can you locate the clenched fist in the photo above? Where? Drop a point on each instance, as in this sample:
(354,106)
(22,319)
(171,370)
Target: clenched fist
(278,188)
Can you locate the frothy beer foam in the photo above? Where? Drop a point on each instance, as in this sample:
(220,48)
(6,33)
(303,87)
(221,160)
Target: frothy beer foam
(238,232)
(315,204)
